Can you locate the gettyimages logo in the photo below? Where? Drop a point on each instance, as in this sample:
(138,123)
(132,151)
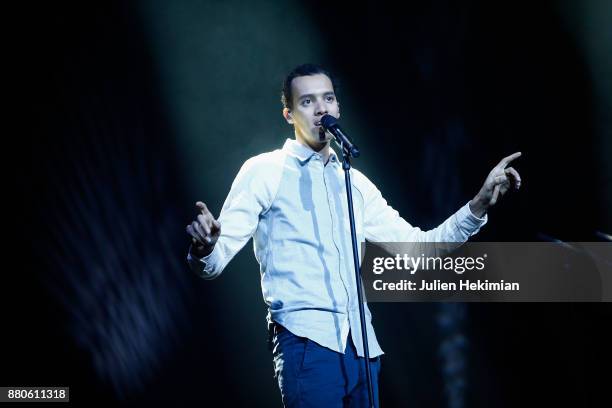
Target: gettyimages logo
(413,264)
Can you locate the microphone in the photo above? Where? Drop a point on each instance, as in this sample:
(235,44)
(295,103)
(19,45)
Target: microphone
(330,124)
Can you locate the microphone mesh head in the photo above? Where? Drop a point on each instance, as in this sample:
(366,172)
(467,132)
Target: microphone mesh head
(328,121)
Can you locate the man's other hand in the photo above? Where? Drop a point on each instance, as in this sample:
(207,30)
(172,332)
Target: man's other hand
(499,181)
(204,231)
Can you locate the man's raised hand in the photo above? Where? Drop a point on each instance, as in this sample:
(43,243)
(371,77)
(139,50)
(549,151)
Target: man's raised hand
(499,181)
(204,231)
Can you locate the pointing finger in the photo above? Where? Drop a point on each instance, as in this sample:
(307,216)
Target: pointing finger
(202,207)
(506,160)
(204,224)
(205,219)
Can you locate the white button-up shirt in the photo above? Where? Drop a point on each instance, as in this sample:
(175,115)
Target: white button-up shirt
(294,206)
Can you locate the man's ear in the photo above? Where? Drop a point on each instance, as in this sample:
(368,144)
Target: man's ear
(287,115)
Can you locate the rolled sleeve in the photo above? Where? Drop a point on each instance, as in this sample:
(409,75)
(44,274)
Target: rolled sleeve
(205,267)
(467,222)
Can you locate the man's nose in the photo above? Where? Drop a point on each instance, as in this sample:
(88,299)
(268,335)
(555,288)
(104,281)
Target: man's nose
(321,109)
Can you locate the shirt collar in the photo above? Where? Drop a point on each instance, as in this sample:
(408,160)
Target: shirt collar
(305,153)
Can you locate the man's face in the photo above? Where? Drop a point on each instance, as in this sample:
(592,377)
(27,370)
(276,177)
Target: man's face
(313,97)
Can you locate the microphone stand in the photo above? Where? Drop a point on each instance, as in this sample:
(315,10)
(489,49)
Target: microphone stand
(346,166)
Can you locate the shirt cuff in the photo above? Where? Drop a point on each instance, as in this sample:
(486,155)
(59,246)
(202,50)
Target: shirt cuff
(483,219)
(205,264)
(468,221)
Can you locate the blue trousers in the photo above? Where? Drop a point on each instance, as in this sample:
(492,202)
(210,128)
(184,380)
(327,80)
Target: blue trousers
(310,375)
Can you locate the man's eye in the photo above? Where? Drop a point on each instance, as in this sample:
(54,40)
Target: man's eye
(330,99)
(305,101)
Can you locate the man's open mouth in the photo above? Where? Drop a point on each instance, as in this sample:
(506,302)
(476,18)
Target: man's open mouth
(321,134)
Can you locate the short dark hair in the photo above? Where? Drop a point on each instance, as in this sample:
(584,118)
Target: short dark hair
(302,70)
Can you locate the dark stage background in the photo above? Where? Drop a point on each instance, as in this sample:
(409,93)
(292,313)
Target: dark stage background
(135,110)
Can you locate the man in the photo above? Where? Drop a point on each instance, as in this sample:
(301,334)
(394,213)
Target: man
(292,201)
